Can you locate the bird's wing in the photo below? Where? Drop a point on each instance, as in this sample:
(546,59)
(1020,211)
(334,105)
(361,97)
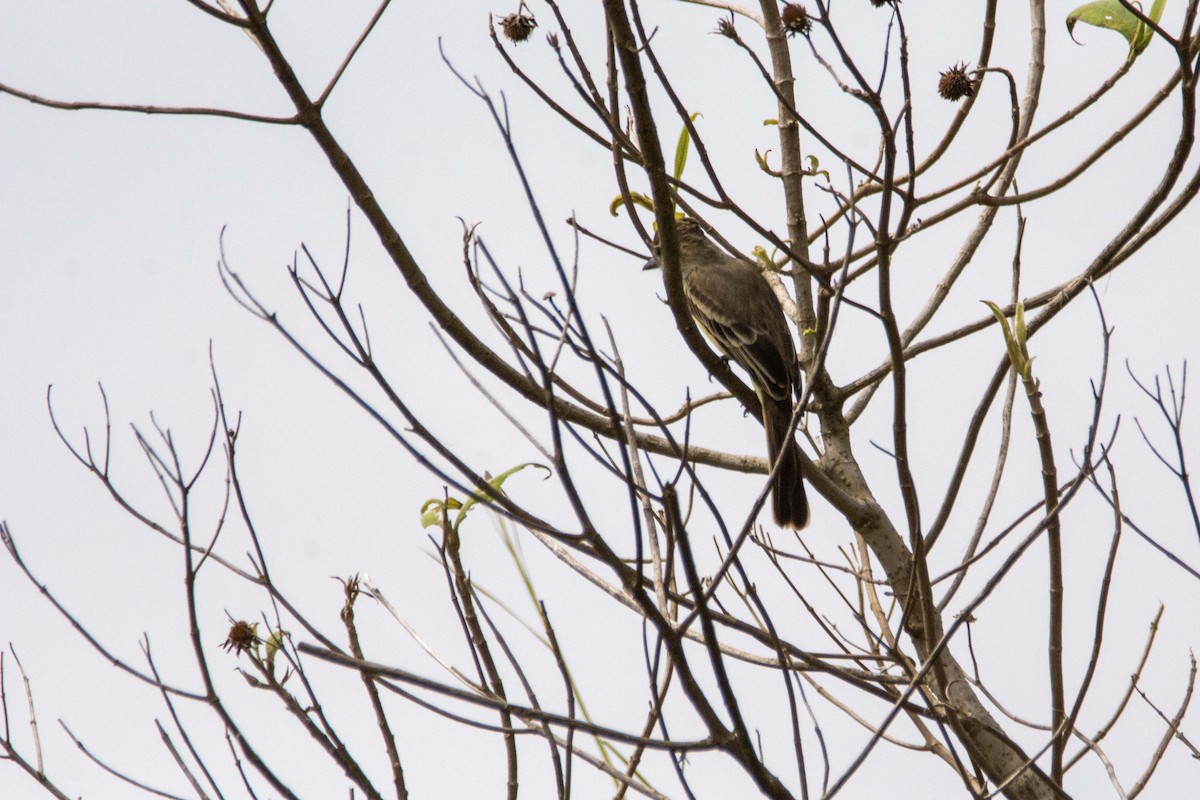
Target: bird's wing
(735,307)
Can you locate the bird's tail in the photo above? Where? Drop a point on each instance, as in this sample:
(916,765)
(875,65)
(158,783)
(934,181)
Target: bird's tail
(787,488)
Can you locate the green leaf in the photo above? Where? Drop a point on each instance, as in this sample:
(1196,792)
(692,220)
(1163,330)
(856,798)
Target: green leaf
(1156,10)
(767,260)
(495,483)
(637,198)
(814,168)
(1014,339)
(1010,341)
(681,149)
(764,165)
(432,510)
(274,644)
(1112,15)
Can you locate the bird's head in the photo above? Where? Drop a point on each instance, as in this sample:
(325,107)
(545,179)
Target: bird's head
(691,239)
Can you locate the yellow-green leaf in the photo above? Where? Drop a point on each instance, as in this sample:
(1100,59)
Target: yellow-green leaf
(432,511)
(1014,339)
(637,198)
(814,168)
(1010,343)
(764,165)
(1110,14)
(495,483)
(274,644)
(681,148)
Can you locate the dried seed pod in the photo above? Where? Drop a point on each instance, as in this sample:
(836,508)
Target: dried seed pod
(517,27)
(955,83)
(796,19)
(243,636)
(725,28)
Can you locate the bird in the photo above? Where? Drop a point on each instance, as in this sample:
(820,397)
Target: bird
(735,307)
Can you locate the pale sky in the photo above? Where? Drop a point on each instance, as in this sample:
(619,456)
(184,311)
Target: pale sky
(110,229)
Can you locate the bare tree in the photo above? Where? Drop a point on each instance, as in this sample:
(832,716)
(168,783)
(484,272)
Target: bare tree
(733,611)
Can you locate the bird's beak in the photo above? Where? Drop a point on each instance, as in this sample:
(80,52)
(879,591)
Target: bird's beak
(651,264)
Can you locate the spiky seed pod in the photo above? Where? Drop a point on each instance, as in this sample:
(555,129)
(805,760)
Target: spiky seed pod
(725,28)
(955,84)
(882,3)
(242,637)
(517,27)
(796,19)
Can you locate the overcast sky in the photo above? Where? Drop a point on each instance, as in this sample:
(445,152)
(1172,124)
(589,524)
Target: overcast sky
(111,227)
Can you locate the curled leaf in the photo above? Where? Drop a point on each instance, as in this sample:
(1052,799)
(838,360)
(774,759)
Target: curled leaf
(1110,14)
(637,198)
(765,165)
(432,510)
(814,168)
